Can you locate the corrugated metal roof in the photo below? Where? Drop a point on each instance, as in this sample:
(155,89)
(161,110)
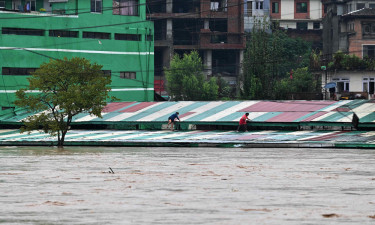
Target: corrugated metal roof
(229,111)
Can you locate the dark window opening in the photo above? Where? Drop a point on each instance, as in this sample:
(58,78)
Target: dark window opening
(369,51)
(186,32)
(301,25)
(156,6)
(22,31)
(128,37)
(125,7)
(160,30)
(249,11)
(2,4)
(325,8)
(17,71)
(96,35)
(107,73)
(259,5)
(181,6)
(224,63)
(275,7)
(96,6)
(220,28)
(372,6)
(128,75)
(360,5)
(63,33)
(301,7)
(316,25)
(149,37)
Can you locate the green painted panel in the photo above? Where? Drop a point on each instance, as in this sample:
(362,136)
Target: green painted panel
(27,51)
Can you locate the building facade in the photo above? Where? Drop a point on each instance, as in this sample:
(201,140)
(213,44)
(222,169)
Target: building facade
(114,34)
(301,18)
(214,28)
(349,27)
(256,11)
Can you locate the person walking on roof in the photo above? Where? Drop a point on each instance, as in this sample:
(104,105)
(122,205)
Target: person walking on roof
(172,118)
(242,123)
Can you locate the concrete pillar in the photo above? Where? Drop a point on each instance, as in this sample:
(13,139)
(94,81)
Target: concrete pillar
(169,6)
(169,30)
(240,62)
(207,61)
(206,24)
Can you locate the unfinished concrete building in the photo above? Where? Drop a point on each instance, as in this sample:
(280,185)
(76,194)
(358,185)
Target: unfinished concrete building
(214,28)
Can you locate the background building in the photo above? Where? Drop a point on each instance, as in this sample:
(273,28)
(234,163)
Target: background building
(256,10)
(214,28)
(301,18)
(114,34)
(349,27)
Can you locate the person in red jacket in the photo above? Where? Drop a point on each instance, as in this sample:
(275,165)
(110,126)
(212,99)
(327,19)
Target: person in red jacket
(242,123)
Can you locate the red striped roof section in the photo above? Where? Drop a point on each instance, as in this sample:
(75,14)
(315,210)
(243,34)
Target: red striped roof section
(318,114)
(139,106)
(297,106)
(186,114)
(111,107)
(287,117)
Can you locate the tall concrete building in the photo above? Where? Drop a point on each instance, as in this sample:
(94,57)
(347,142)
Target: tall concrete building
(214,28)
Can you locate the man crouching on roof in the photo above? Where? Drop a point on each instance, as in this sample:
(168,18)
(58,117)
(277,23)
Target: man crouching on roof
(171,120)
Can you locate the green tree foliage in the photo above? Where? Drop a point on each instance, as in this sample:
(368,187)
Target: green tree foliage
(61,89)
(186,81)
(268,57)
(303,81)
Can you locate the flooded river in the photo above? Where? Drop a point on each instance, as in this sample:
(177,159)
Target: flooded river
(41,185)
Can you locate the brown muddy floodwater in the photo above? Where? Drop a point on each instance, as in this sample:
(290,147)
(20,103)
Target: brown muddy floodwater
(41,185)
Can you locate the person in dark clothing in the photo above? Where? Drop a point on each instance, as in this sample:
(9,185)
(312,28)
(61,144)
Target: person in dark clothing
(242,123)
(172,118)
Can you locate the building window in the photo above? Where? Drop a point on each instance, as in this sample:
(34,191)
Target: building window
(128,75)
(96,35)
(218,5)
(249,8)
(301,25)
(316,25)
(96,6)
(17,71)
(360,5)
(342,84)
(372,6)
(22,31)
(275,7)
(63,33)
(259,5)
(107,73)
(125,7)
(128,37)
(149,37)
(369,51)
(30,6)
(2,4)
(301,7)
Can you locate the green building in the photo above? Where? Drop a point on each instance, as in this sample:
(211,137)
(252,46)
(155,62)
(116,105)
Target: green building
(112,33)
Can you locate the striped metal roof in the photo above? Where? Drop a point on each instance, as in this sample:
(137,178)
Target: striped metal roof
(265,138)
(228,111)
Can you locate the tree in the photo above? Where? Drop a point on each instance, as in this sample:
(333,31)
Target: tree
(269,55)
(186,81)
(61,89)
(302,81)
